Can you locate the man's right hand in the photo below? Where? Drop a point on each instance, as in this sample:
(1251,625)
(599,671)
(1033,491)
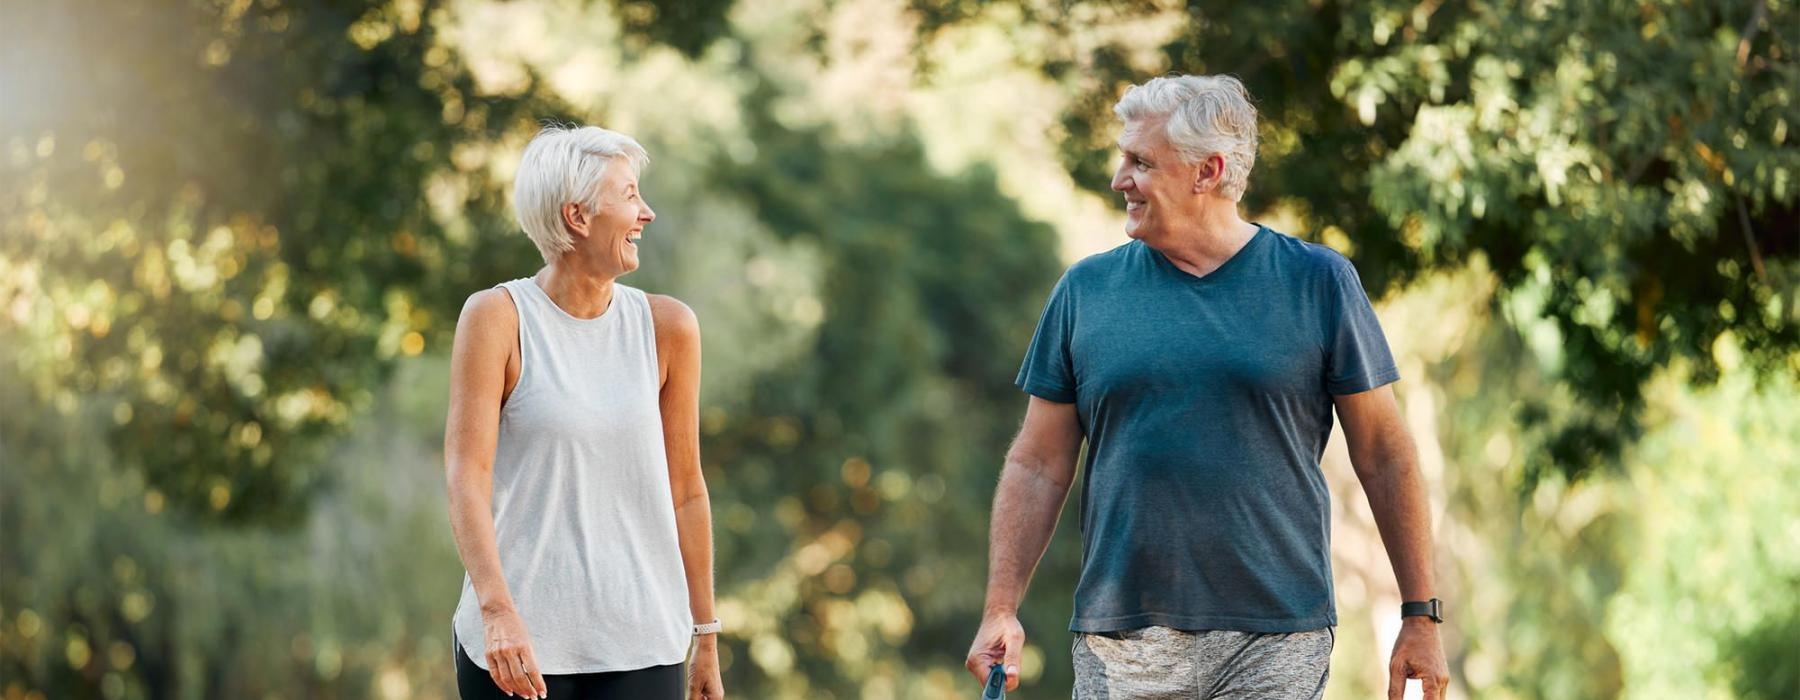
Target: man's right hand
(1040,465)
(509,657)
(997,642)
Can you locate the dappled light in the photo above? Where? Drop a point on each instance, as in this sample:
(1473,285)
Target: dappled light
(236,235)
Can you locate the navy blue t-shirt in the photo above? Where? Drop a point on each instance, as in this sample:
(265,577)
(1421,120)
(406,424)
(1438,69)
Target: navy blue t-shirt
(1207,402)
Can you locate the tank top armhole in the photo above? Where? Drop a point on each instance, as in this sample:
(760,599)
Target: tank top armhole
(519,315)
(649,325)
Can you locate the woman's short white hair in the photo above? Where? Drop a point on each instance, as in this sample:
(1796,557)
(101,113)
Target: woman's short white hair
(1206,114)
(563,165)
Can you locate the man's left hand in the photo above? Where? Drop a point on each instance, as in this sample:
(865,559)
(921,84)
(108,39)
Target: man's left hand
(1418,654)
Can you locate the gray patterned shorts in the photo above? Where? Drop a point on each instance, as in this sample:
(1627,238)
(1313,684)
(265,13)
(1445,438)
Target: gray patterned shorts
(1158,663)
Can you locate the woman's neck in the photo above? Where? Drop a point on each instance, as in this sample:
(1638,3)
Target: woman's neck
(580,293)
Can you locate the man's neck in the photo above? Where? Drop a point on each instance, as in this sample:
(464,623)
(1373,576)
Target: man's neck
(1201,245)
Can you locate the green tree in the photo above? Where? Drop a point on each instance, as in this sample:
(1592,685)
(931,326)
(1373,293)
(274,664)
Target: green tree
(224,235)
(220,224)
(233,236)
(1625,169)
(230,217)
(878,444)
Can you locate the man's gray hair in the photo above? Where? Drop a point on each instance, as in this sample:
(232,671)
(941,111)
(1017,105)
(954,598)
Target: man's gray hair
(1206,114)
(563,165)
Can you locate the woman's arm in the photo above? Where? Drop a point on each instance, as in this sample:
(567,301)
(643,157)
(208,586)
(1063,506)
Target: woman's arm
(678,358)
(482,366)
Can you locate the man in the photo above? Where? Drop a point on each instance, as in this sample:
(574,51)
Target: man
(1201,362)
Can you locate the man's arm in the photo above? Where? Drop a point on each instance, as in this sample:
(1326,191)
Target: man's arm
(1033,485)
(1387,464)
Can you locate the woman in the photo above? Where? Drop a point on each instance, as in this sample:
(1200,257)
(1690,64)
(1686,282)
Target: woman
(572,453)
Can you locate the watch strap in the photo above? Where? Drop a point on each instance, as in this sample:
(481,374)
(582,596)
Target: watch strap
(709,628)
(1433,609)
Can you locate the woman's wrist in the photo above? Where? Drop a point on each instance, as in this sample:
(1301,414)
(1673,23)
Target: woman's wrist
(498,607)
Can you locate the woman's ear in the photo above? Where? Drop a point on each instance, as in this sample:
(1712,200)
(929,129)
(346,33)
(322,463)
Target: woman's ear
(575,219)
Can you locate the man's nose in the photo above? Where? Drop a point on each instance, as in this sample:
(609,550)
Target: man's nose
(1120,181)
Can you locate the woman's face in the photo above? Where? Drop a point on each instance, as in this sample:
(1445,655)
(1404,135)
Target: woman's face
(619,218)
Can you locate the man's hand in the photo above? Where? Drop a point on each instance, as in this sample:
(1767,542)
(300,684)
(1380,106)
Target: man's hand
(703,673)
(1418,654)
(999,641)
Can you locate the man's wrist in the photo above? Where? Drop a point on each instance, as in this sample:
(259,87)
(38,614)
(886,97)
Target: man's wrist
(1430,610)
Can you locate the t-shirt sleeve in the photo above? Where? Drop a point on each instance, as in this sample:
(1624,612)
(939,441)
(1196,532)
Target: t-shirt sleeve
(1047,372)
(1357,354)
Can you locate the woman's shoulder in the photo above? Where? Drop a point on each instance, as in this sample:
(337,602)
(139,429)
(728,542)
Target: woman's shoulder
(491,308)
(672,317)
(495,300)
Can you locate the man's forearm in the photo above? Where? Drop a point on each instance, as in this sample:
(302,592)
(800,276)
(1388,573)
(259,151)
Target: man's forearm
(1026,507)
(1403,515)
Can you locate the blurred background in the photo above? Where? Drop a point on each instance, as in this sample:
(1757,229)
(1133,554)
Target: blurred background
(235,236)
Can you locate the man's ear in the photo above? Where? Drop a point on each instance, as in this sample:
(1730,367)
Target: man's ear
(575,219)
(1210,174)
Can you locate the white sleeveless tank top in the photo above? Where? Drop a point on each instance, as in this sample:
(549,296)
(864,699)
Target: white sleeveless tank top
(583,514)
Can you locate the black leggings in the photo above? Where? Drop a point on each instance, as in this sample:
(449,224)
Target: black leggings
(667,682)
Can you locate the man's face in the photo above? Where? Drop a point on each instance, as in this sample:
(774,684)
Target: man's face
(1158,187)
(619,219)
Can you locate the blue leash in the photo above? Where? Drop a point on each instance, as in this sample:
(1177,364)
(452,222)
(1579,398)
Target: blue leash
(996,683)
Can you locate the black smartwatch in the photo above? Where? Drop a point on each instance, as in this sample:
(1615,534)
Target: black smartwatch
(1433,609)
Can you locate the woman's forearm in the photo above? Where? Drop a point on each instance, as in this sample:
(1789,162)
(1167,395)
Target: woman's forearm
(693,523)
(472,525)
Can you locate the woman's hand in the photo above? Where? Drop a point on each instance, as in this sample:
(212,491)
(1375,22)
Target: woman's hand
(703,674)
(509,657)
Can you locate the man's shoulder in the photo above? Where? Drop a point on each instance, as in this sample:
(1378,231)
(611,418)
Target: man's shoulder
(1103,264)
(1306,259)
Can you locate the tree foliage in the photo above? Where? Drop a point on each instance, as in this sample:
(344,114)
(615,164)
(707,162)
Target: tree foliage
(231,217)
(1624,168)
(893,417)
(226,224)
(219,244)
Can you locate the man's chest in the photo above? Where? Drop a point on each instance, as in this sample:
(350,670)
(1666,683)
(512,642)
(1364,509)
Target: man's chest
(1185,344)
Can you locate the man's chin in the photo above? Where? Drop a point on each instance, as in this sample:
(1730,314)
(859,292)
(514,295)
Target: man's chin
(1134,226)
